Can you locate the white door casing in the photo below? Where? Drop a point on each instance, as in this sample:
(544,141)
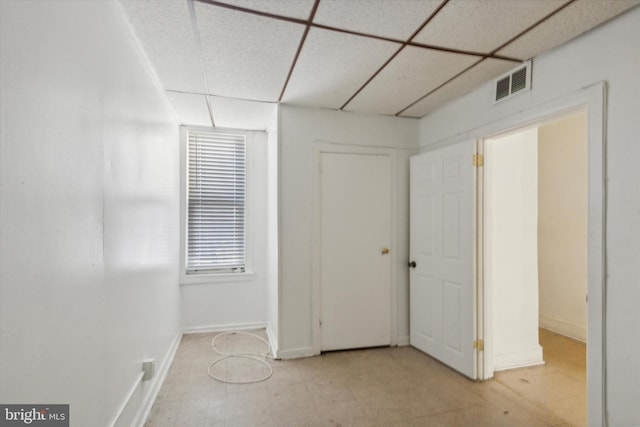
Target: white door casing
(593,97)
(442,295)
(355,246)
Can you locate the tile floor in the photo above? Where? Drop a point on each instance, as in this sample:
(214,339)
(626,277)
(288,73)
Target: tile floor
(395,386)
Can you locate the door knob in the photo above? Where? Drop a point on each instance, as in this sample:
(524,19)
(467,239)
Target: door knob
(412,264)
(385,251)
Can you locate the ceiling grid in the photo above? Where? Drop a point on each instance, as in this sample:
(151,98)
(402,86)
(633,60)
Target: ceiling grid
(302,40)
(217,58)
(196,35)
(411,37)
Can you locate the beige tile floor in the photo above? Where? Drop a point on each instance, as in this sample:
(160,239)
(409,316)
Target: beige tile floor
(394,386)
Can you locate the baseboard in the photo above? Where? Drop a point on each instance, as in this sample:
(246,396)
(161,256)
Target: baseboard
(561,327)
(145,408)
(224,328)
(273,342)
(402,341)
(296,353)
(517,357)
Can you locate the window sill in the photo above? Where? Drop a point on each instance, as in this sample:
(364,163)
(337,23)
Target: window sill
(202,279)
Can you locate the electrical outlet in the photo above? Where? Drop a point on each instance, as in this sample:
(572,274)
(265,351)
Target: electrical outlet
(148,367)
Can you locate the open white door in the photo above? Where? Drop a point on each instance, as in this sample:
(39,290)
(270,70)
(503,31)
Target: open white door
(442,300)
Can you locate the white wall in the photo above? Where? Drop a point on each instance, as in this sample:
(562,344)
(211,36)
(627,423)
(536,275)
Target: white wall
(609,53)
(562,225)
(511,247)
(237,304)
(299,128)
(88,211)
(272,249)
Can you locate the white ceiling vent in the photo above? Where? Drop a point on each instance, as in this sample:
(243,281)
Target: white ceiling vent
(514,82)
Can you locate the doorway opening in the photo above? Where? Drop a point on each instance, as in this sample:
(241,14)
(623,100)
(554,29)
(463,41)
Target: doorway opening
(478,338)
(536,261)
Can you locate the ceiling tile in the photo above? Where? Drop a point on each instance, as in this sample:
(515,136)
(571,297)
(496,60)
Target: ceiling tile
(191,109)
(396,19)
(567,24)
(300,9)
(483,25)
(246,56)
(481,73)
(326,74)
(413,73)
(165,32)
(238,114)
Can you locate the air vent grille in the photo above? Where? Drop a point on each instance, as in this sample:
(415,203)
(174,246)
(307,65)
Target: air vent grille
(516,81)
(519,80)
(502,88)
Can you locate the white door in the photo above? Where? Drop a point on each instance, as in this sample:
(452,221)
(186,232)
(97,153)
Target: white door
(442,301)
(355,264)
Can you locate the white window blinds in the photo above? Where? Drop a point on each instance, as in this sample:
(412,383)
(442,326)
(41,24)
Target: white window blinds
(216,203)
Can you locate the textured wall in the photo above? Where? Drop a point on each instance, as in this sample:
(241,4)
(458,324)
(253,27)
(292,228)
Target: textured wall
(88,211)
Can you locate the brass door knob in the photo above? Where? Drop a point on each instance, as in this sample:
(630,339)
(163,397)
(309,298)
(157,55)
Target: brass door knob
(385,251)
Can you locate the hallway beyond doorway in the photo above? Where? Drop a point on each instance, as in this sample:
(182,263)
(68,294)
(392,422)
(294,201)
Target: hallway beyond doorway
(559,386)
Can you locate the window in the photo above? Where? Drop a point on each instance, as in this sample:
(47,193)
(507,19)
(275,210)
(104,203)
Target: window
(216,203)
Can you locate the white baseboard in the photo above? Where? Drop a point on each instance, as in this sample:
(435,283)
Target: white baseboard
(145,408)
(562,327)
(273,342)
(402,341)
(224,328)
(517,357)
(296,353)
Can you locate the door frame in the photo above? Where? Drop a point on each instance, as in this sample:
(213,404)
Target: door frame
(319,147)
(593,99)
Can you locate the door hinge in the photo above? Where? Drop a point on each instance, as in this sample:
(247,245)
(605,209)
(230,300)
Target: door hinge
(479,345)
(478,160)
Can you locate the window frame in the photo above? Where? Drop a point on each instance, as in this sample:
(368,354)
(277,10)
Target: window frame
(225,276)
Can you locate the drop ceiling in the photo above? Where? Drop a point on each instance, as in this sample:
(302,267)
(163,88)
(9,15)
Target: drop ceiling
(226,63)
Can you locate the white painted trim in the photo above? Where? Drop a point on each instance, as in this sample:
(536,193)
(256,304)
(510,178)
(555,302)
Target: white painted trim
(517,357)
(273,343)
(562,327)
(126,400)
(593,98)
(209,279)
(280,303)
(224,328)
(403,340)
(480,295)
(323,146)
(296,353)
(143,413)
